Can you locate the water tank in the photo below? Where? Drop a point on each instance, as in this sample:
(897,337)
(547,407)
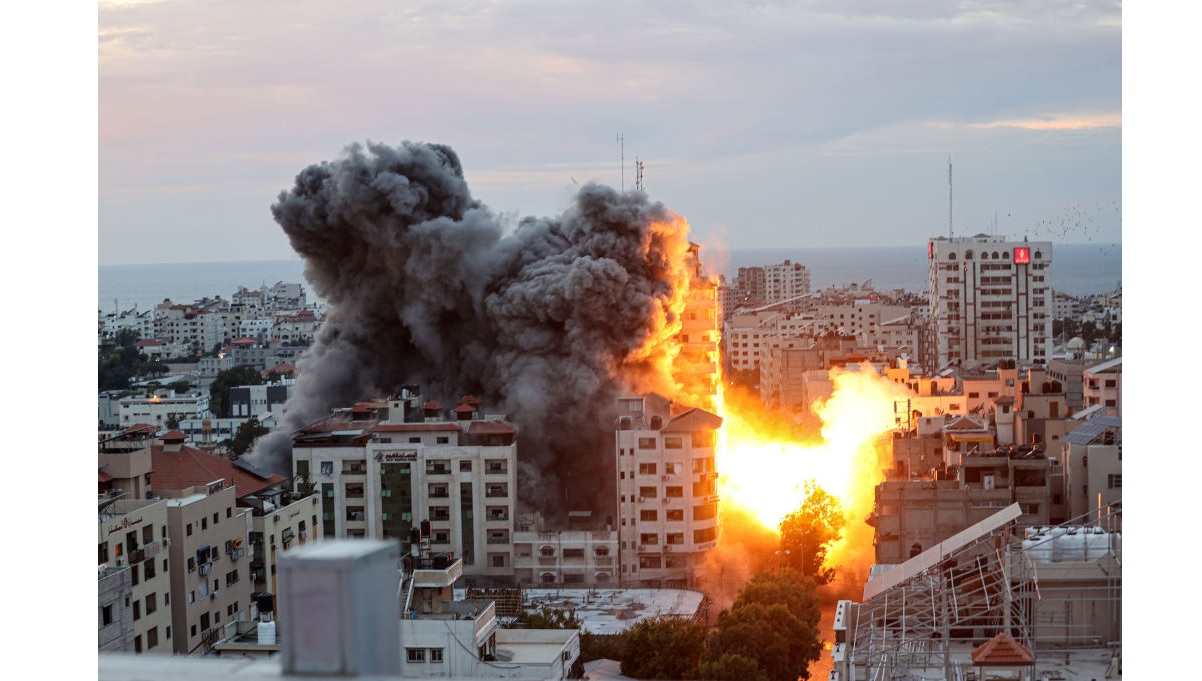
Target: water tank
(267,633)
(266,602)
(987,482)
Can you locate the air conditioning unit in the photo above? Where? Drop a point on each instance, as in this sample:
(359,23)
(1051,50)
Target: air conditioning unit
(166,541)
(213,596)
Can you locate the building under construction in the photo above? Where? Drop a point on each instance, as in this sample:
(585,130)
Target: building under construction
(989,603)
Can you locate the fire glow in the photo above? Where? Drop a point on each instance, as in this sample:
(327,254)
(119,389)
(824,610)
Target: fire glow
(763,467)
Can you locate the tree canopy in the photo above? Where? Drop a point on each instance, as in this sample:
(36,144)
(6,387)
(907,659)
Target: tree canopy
(663,647)
(807,533)
(773,625)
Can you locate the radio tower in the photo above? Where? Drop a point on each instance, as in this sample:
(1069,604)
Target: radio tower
(949,196)
(622,145)
(638,174)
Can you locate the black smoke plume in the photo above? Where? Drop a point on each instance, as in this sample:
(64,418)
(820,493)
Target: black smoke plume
(548,323)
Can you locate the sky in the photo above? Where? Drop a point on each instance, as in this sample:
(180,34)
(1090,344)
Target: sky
(764,124)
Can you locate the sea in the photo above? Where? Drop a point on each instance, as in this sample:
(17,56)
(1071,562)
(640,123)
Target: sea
(1077,269)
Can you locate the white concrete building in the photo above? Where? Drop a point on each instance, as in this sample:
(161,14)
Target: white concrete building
(667,495)
(382,468)
(572,557)
(990,299)
(161,407)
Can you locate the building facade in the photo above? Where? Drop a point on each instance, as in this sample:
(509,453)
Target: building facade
(667,495)
(133,541)
(990,299)
(383,468)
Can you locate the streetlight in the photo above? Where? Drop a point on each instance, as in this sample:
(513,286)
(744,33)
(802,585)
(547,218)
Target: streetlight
(782,553)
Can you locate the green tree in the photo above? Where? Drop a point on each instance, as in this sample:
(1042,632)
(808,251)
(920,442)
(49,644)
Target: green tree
(807,533)
(219,389)
(663,647)
(545,617)
(733,667)
(246,434)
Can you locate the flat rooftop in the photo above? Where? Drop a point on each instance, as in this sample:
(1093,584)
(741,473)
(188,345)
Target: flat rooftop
(612,611)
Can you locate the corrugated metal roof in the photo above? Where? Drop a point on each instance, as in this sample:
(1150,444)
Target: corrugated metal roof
(1091,431)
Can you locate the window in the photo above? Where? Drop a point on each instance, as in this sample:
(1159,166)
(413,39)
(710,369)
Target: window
(188,529)
(191,597)
(675,514)
(674,491)
(646,469)
(137,610)
(464,467)
(649,538)
(702,536)
(648,515)
(152,603)
(415,654)
(436,655)
(674,538)
(152,638)
(673,442)
(442,440)
(106,615)
(648,492)
(646,443)
(204,523)
(1114,481)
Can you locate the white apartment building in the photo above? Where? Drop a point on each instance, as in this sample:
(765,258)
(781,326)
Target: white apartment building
(990,299)
(133,538)
(161,407)
(750,336)
(667,495)
(569,558)
(382,468)
(771,284)
(187,325)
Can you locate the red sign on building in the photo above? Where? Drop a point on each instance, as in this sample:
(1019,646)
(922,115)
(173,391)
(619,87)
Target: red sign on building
(1022,255)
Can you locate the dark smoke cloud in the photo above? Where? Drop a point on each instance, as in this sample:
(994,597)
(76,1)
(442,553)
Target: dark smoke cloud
(424,286)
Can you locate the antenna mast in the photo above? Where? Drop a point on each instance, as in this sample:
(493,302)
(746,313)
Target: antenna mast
(949,196)
(638,174)
(622,145)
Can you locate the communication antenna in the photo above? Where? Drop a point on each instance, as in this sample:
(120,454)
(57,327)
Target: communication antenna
(949,196)
(622,145)
(638,174)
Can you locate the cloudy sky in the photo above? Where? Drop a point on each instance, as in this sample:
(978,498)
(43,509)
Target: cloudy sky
(811,123)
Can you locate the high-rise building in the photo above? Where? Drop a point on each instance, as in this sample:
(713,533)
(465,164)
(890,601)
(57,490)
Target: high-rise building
(990,299)
(667,496)
(386,468)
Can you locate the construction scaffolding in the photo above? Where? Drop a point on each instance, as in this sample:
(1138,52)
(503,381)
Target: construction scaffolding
(1053,590)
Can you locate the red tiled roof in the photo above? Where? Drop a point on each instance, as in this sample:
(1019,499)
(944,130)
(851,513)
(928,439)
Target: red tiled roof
(464,409)
(490,428)
(173,435)
(280,369)
(148,343)
(1002,651)
(190,467)
(139,428)
(469,399)
(105,477)
(432,404)
(693,420)
(413,427)
(244,341)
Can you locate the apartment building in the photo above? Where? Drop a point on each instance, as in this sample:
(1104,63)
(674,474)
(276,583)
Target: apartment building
(990,299)
(161,407)
(134,575)
(382,468)
(771,284)
(255,400)
(579,556)
(696,366)
(1102,384)
(1092,457)
(188,325)
(667,496)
